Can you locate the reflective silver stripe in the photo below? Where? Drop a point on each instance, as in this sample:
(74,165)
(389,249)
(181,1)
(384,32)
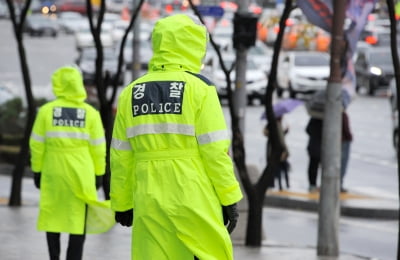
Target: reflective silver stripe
(160,129)
(74,135)
(120,145)
(97,141)
(38,138)
(213,137)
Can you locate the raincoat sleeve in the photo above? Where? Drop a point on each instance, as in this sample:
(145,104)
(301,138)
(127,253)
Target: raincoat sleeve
(214,142)
(36,142)
(122,173)
(97,144)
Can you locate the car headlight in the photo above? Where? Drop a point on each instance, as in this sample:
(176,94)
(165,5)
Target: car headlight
(376,71)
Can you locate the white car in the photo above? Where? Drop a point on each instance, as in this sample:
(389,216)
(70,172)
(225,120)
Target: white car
(256,79)
(303,72)
(222,35)
(84,37)
(145,51)
(118,30)
(260,53)
(71,22)
(87,63)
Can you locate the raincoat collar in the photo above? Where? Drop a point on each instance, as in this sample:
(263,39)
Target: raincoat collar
(179,44)
(67,83)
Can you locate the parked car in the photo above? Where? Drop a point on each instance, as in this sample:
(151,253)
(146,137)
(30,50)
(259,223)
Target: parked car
(222,35)
(41,25)
(260,53)
(303,72)
(116,6)
(395,113)
(84,37)
(75,6)
(87,63)
(145,51)
(256,79)
(118,30)
(71,22)
(376,36)
(374,69)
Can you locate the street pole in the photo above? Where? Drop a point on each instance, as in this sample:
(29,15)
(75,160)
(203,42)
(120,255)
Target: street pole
(136,66)
(329,204)
(239,94)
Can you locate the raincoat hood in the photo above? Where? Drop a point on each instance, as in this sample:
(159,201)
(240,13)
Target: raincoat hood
(68,84)
(178,44)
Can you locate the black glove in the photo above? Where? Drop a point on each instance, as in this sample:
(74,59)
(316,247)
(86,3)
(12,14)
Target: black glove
(36,179)
(231,216)
(99,182)
(125,218)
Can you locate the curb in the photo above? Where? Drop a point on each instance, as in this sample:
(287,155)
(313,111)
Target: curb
(346,209)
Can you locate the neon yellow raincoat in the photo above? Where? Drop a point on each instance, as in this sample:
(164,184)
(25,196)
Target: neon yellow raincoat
(68,148)
(169,153)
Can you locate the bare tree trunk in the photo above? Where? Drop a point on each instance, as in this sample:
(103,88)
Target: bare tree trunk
(329,206)
(23,157)
(102,81)
(255,192)
(396,65)
(255,208)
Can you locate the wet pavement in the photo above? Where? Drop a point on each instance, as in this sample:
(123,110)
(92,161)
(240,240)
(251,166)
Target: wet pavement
(19,238)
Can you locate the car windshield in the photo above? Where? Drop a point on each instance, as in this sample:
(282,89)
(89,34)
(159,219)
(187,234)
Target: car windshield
(311,60)
(381,57)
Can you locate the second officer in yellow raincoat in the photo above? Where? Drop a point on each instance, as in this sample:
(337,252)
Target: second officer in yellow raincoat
(68,151)
(169,153)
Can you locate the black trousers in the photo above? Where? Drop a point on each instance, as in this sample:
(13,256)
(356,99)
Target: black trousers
(313,170)
(75,246)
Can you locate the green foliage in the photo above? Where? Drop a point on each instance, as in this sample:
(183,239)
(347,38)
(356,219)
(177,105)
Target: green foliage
(10,117)
(13,116)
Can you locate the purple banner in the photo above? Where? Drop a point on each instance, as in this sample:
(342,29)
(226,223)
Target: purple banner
(317,12)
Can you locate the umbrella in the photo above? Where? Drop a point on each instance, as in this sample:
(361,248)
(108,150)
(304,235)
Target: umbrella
(284,106)
(316,104)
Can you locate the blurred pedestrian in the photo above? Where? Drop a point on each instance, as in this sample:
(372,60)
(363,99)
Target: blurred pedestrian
(280,109)
(67,153)
(169,153)
(347,138)
(314,131)
(284,165)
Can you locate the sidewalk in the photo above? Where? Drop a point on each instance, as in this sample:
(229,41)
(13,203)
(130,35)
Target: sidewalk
(354,203)
(19,238)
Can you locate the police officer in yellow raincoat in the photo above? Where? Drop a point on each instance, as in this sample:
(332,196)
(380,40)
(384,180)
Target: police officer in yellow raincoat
(67,153)
(169,153)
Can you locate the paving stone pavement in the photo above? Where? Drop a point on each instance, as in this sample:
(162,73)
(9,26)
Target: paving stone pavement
(19,239)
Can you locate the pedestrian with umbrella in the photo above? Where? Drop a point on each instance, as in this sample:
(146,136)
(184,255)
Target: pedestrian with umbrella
(281,108)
